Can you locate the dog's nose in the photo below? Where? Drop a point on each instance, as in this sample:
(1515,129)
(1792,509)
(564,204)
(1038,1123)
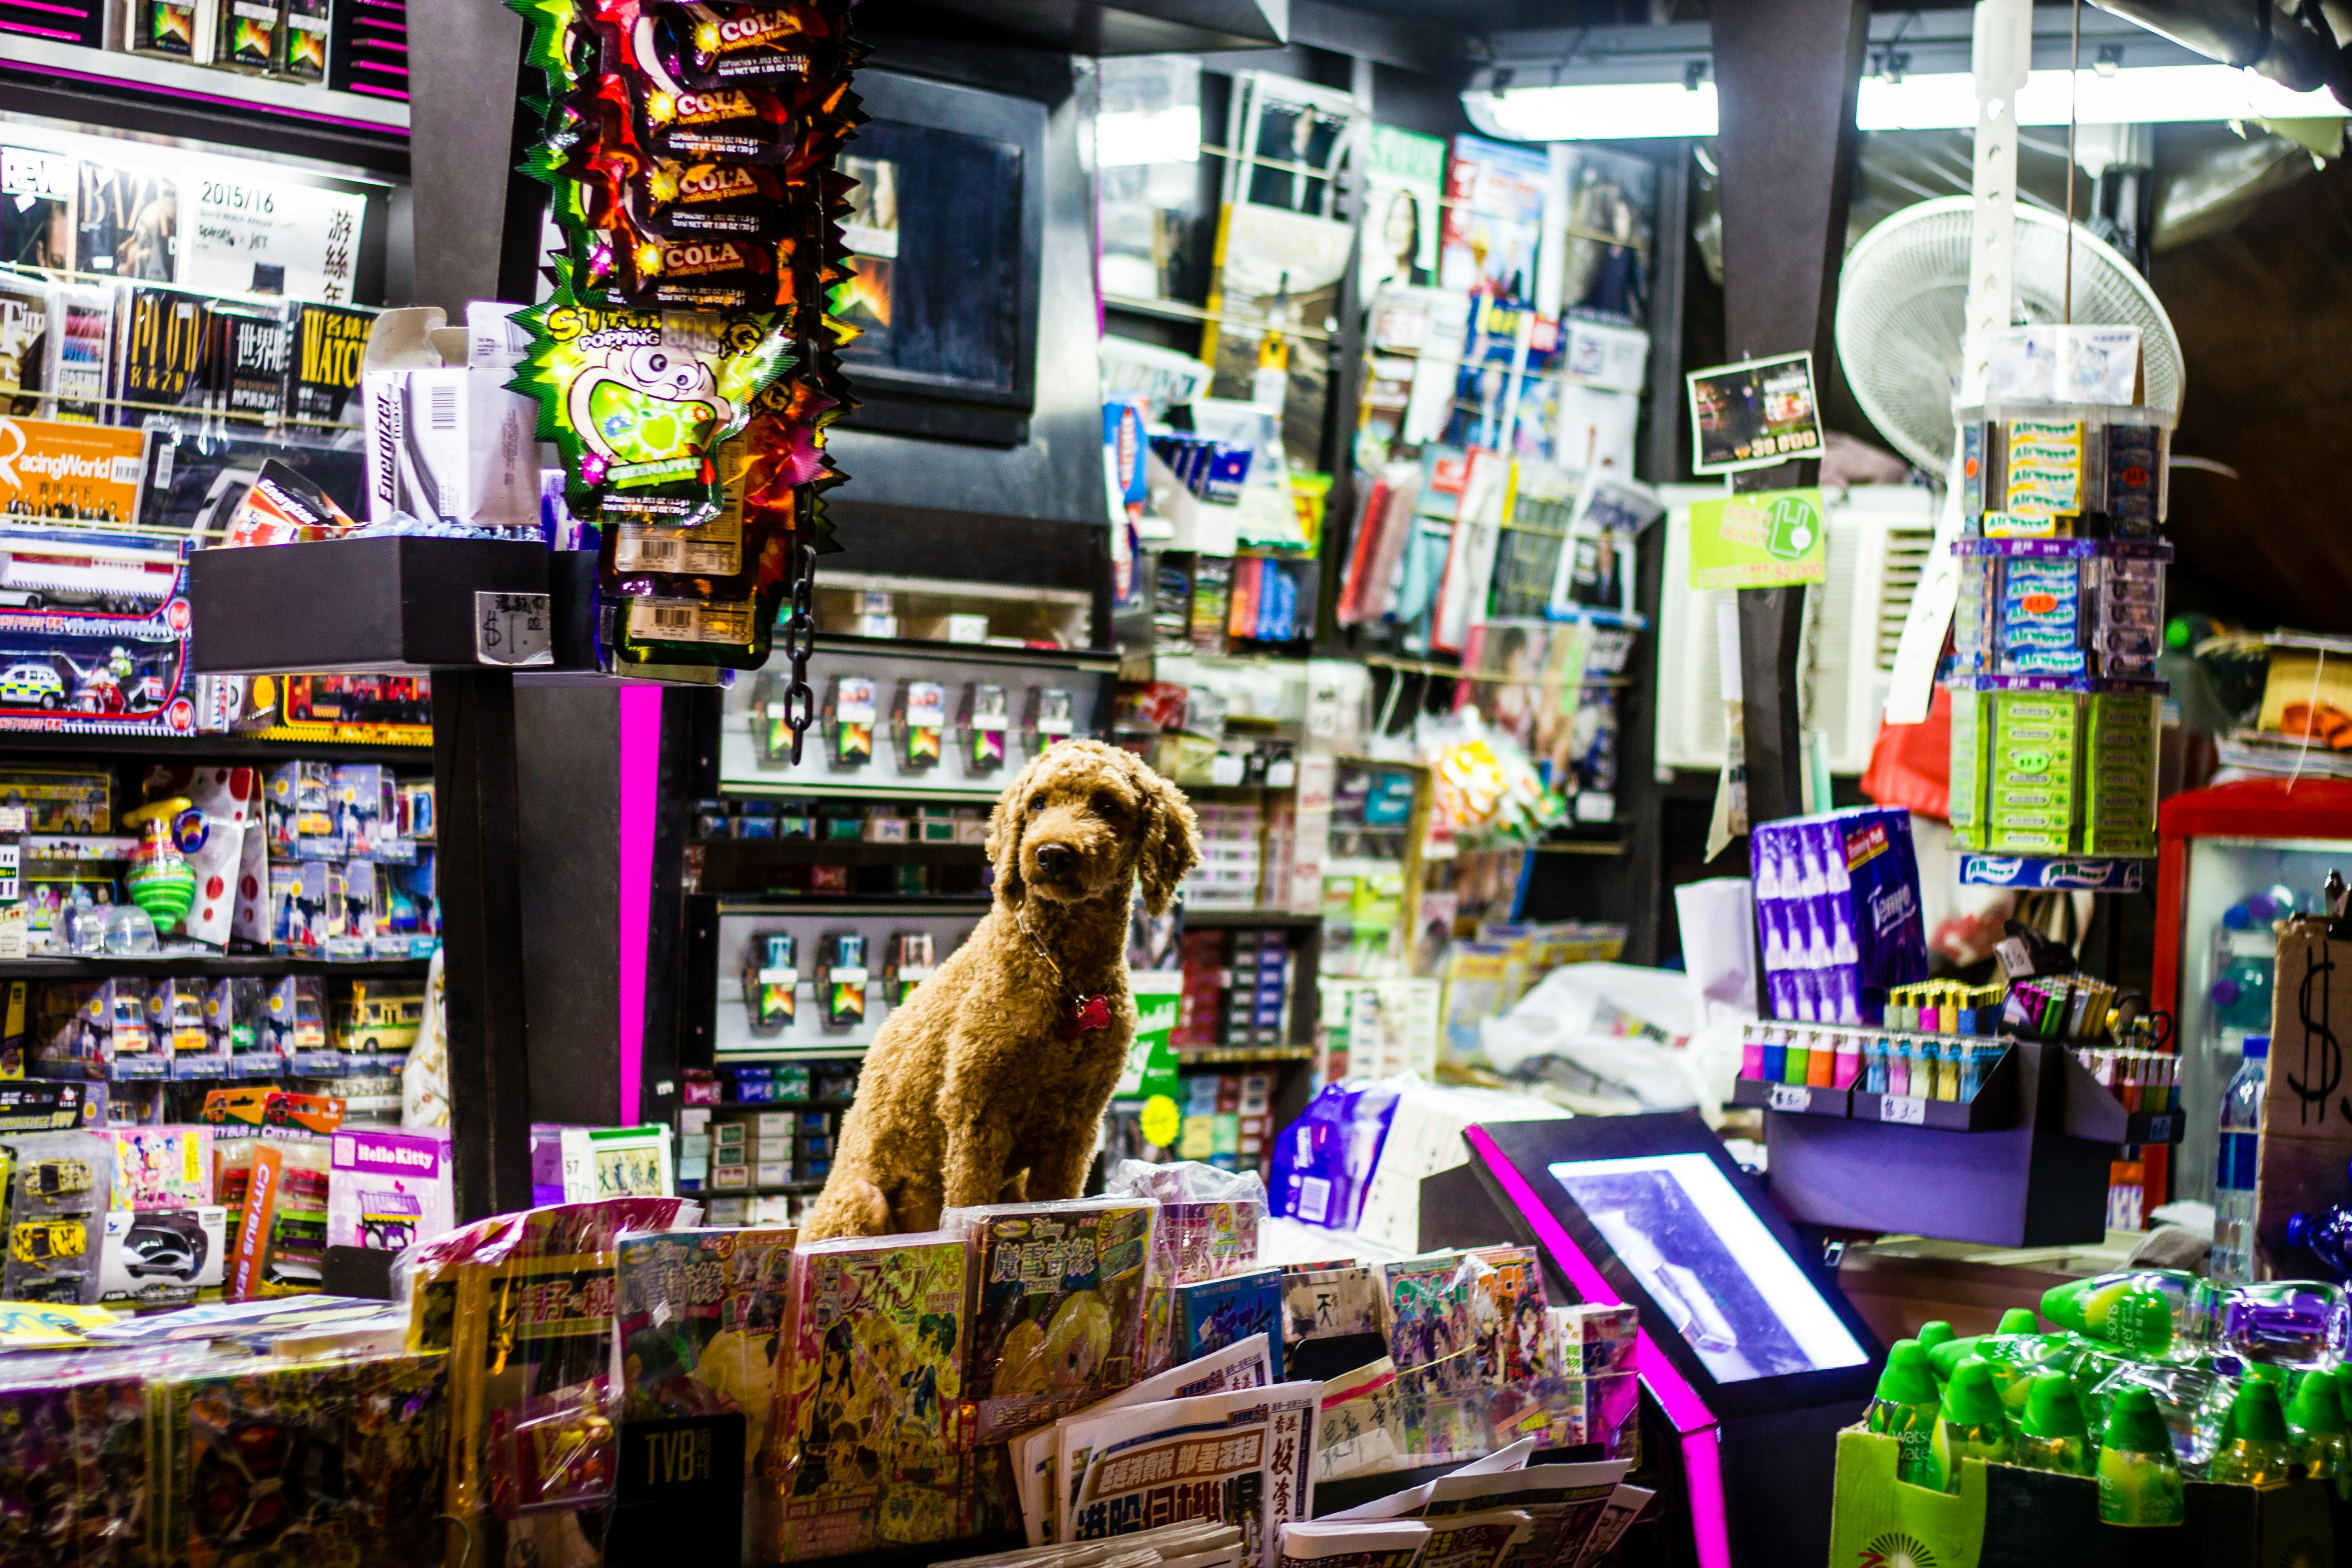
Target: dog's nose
(1055,859)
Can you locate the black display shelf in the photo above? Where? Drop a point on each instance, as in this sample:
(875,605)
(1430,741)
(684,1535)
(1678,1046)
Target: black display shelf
(218,966)
(1793,1098)
(771,1104)
(1089,659)
(1220,918)
(183,750)
(2092,1111)
(1241,1055)
(836,904)
(404,603)
(841,852)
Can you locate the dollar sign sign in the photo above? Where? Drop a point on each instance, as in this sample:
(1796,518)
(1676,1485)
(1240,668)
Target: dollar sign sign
(2315,1032)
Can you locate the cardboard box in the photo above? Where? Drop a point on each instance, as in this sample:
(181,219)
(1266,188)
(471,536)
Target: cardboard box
(448,442)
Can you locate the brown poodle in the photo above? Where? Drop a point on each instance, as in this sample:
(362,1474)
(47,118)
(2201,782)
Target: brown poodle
(979,1090)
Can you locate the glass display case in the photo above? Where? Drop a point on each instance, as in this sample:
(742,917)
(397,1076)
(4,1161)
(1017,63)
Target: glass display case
(2232,860)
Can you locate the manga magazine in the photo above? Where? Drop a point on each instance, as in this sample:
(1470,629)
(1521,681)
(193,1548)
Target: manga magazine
(700,1311)
(867,1450)
(1058,1319)
(1426,1304)
(1506,1315)
(1211,1314)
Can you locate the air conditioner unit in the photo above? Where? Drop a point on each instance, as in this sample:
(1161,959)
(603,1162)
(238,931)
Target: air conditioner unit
(1879,540)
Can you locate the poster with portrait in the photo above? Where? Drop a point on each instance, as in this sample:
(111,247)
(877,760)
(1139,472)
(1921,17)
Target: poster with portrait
(127,223)
(1606,204)
(37,200)
(1404,174)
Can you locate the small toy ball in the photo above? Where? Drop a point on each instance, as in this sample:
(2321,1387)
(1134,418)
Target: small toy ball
(160,879)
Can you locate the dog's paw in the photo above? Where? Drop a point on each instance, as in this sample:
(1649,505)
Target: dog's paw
(849,1205)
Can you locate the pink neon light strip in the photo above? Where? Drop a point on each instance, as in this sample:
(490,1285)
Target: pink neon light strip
(1702,1455)
(640,785)
(73,11)
(39,32)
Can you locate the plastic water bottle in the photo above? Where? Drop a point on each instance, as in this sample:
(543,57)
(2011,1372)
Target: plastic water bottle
(2234,1173)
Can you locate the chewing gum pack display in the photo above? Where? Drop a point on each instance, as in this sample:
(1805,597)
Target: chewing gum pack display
(2119,773)
(2032,471)
(1970,767)
(2034,772)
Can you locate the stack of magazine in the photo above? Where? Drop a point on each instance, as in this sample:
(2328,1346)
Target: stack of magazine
(1495,1512)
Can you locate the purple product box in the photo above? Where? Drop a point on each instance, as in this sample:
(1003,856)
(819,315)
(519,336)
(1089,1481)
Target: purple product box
(1323,1162)
(388,1190)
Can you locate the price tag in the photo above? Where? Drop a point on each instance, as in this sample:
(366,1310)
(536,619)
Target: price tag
(1909,1109)
(841,975)
(512,629)
(779,976)
(1225,769)
(1790,1096)
(2159,1127)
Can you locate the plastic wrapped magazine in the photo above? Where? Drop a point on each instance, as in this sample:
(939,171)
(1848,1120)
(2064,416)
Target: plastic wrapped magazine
(1325,1304)
(1507,1314)
(867,1439)
(1036,1455)
(1058,1294)
(1362,1430)
(1245,1457)
(700,1311)
(1210,1314)
(1425,1304)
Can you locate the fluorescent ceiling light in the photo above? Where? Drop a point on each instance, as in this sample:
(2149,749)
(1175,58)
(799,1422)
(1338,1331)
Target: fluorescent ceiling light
(1601,112)
(1148,136)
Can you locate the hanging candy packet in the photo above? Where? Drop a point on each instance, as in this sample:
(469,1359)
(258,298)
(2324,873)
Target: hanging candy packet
(639,401)
(719,43)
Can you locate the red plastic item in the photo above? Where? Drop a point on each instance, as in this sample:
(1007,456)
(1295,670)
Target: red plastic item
(1911,764)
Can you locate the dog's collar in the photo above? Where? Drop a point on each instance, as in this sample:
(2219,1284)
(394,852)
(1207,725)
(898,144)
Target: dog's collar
(1084,1014)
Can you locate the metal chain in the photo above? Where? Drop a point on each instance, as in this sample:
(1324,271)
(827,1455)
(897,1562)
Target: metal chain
(800,641)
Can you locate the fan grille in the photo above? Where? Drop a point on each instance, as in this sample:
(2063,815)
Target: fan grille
(1901,314)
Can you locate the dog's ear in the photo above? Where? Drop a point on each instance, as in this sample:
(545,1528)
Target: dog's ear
(1005,820)
(1171,845)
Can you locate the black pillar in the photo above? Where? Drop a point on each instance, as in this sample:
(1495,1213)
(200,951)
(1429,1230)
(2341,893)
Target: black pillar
(478,875)
(1786,74)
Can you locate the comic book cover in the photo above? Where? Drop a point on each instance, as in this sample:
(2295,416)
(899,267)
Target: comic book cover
(1210,1314)
(1425,1308)
(1206,1240)
(1506,1315)
(867,1446)
(700,1311)
(1325,1303)
(1059,1319)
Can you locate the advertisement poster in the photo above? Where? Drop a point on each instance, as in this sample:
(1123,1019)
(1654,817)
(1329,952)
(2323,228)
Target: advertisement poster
(1608,200)
(1402,175)
(1754,413)
(52,470)
(1766,539)
(37,197)
(256,237)
(1494,221)
(129,222)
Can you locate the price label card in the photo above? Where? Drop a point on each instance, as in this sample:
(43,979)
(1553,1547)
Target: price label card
(786,976)
(2162,1129)
(511,629)
(1909,1109)
(1789,1097)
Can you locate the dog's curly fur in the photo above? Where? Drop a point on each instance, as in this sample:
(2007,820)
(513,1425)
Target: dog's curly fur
(971,1094)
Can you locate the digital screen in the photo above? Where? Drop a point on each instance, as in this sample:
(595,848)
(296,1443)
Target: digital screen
(1710,1266)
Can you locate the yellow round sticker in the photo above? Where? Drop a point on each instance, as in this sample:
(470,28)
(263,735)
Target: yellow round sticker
(1160,1122)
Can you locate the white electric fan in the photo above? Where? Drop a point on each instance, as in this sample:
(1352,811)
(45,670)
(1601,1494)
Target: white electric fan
(1901,313)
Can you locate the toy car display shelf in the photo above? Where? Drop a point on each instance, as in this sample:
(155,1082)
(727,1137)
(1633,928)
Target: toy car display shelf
(2060,617)
(1965,1138)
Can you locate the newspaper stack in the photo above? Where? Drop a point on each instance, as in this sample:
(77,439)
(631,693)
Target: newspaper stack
(1197,1543)
(1495,1512)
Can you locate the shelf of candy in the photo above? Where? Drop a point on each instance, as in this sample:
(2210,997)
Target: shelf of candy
(1838,909)
(699,248)
(2153,1380)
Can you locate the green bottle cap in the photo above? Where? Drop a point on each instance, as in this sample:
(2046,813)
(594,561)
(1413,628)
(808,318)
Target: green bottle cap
(2019,1320)
(2316,1408)
(1934,1332)
(1945,1357)
(2134,1425)
(2264,1372)
(2256,1416)
(1972,1398)
(2051,1408)
(1907,1380)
